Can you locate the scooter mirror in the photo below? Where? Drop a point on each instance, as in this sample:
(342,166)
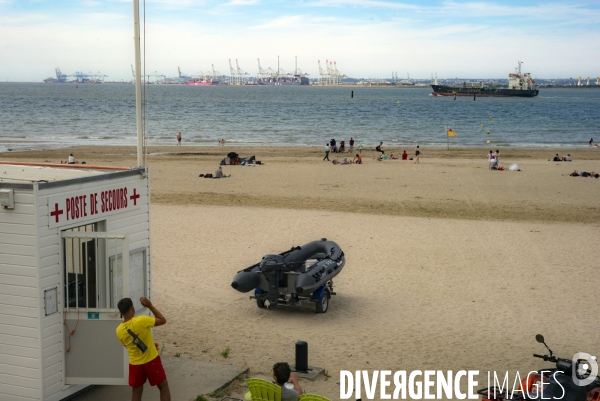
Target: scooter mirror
(539,338)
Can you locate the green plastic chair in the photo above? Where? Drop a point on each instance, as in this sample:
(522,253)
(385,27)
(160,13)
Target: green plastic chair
(262,390)
(312,397)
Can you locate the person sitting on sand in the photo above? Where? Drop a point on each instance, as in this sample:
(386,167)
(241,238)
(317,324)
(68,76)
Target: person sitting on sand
(557,158)
(282,374)
(345,161)
(567,158)
(219,173)
(382,156)
(71,159)
(335,161)
(392,157)
(357,159)
(575,173)
(405,155)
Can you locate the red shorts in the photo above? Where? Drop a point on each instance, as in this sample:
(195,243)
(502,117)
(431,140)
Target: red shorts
(153,371)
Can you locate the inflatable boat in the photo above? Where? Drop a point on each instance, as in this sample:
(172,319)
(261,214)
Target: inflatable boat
(302,274)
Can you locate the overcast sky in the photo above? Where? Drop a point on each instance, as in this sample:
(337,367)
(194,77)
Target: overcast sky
(366,38)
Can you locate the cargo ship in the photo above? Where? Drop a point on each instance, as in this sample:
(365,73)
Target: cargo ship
(202,82)
(519,85)
(287,81)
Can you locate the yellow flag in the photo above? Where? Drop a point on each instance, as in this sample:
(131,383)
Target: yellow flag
(450,132)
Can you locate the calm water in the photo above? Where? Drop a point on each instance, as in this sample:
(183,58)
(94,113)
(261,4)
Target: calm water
(42,115)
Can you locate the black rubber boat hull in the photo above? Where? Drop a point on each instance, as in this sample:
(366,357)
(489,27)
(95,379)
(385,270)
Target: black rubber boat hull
(299,278)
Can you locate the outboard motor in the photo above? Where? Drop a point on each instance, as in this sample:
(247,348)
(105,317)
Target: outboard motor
(273,266)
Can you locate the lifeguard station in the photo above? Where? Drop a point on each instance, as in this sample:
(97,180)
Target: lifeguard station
(73,241)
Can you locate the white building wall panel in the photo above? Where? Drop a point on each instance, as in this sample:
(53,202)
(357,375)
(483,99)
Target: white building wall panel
(20,369)
(8,217)
(17,249)
(19,393)
(16,239)
(134,222)
(27,342)
(18,290)
(18,350)
(13,360)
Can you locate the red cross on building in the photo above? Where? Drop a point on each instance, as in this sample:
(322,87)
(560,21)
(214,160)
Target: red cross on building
(57,212)
(135,196)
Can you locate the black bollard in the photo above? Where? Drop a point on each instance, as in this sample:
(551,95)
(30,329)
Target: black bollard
(352,95)
(301,356)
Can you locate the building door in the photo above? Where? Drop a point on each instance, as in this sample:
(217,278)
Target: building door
(96,277)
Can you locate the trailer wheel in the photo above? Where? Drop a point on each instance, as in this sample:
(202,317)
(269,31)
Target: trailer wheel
(260,303)
(322,305)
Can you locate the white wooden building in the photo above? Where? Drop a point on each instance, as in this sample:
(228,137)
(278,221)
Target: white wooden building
(73,241)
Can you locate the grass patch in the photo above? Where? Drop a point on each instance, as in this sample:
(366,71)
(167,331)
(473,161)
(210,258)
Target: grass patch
(177,355)
(201,398)
(225,353)
(217,394)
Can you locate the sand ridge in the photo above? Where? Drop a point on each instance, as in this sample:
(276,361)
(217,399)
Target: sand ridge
(447,184)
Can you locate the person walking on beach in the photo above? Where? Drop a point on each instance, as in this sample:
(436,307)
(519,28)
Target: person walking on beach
(497,156)
(360,148)
(179,139)
(326,149)
(144,362)
(417,154)
(351,150)
(591,142)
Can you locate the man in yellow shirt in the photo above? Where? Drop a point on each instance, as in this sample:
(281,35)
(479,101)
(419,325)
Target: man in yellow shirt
(144,362)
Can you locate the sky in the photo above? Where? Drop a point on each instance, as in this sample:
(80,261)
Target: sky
(366,38)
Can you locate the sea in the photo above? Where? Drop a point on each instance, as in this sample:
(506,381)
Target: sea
(34,116)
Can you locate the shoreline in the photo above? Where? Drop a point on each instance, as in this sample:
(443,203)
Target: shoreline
(586,152)
(303,151)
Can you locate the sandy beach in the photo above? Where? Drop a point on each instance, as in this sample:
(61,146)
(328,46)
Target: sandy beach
(449,265)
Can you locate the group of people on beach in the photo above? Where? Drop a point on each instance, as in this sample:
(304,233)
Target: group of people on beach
(493,160)
(332,147)
(558,158)
(404,156)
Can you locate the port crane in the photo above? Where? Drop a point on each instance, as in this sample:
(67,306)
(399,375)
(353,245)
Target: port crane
(241,74)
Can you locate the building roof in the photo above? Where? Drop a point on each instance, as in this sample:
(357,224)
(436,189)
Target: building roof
(24,175)
(28,174)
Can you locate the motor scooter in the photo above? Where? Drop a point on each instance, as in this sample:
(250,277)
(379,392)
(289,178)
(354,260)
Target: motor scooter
(556,383)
